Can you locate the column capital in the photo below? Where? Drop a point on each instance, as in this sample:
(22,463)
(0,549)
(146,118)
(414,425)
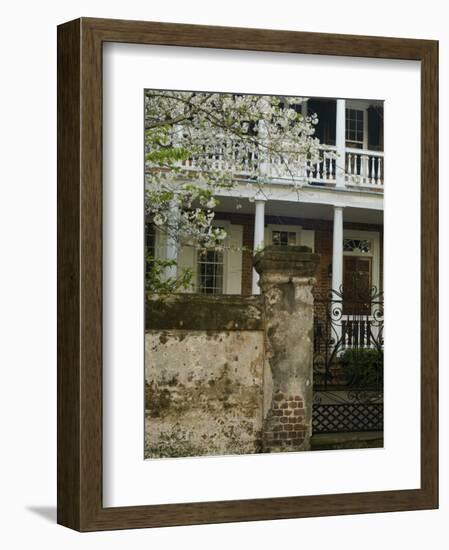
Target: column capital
(259,197)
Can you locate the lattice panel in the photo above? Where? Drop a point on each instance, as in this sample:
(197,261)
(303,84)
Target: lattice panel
(347,417)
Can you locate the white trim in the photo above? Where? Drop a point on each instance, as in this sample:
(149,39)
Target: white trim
(259,236)
(284,191)
(365,129)
(340,143)
(337,248)
(361,104)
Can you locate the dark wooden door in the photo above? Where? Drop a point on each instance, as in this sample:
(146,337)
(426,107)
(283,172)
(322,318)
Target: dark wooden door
(356,285)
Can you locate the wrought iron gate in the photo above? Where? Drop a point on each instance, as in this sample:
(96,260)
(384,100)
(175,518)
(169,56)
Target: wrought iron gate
(348,361)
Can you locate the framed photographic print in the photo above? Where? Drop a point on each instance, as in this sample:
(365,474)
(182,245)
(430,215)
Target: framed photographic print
(247,290)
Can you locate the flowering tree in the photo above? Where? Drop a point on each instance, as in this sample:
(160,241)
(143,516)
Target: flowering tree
(198,144)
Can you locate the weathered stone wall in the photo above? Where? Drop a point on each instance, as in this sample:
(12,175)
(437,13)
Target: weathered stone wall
(204,392)
(204,381)
(233,374)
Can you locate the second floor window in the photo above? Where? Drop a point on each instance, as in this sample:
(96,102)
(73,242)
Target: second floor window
(355,128)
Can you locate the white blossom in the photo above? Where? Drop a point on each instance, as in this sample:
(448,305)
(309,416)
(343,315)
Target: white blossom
(198,143)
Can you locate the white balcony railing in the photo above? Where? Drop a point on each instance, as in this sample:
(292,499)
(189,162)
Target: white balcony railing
(363,168)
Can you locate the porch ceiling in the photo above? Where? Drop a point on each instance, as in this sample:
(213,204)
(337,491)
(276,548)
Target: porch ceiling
(300,210)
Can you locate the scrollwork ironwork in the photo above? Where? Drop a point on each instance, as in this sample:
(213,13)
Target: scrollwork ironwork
(348,351)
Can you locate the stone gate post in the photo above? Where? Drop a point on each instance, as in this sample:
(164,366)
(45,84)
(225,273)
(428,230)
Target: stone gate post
(287,275)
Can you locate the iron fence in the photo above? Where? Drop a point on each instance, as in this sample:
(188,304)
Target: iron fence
(348,361)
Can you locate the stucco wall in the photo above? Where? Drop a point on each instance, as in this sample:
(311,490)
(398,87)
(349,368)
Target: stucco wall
(204,363)
(204,392)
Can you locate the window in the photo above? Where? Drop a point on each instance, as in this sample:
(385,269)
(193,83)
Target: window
(354,128)
(283,238)
(210,271)
(359,246)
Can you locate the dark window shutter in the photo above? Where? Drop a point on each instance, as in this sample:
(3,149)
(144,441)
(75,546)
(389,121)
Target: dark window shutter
(326,111)
(375,128)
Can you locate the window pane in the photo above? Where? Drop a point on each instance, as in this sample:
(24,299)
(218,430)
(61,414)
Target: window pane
(276,237)
(357,245)
(283,238)
(354,125)
(210,271)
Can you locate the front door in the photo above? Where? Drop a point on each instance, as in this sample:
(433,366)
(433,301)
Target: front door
(357,276)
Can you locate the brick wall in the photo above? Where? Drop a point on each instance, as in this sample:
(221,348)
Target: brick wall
(285,424)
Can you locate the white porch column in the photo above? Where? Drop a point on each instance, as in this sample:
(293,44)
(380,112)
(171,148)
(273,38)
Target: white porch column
(264,166)
(337,249)
(171,245)
(259,235)
(304,109)
(340,142)
(303,166)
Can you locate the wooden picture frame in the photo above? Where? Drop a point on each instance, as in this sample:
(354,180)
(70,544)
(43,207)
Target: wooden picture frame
(80,504)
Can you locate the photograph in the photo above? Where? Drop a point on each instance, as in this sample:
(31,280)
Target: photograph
(225,246)
(263,255)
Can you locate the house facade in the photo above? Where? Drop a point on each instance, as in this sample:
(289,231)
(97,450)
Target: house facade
(337,211)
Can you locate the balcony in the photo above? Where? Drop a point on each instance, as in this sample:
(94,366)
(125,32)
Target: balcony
(363,169)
